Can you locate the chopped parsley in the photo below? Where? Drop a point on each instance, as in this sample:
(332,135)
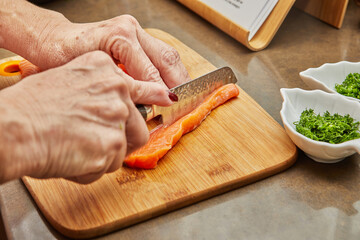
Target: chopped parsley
(327,128)
(350,86)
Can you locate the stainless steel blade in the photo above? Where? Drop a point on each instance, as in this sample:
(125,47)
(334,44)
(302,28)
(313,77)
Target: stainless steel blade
(192,93)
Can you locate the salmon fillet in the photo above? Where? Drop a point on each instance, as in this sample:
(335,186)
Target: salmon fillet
(164,138)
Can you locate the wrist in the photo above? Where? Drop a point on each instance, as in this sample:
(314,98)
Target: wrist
(25,28)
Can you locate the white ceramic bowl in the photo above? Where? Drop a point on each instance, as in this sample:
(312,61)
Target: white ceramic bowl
(326,76)
(297,100)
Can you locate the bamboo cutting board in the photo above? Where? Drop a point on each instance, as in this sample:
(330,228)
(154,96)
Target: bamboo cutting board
(237,144)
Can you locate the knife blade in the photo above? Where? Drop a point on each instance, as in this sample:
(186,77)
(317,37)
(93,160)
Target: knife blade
(190,95)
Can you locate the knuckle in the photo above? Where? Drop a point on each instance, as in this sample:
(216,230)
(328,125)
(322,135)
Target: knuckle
(97,58)
(122,35)
(107,84)
(122,89)
(120,48)
(130,19)
(115,112)
(98,87)
(151,73)
(124,26)
(170,56)
(118,142)
(120,24)
(137,93)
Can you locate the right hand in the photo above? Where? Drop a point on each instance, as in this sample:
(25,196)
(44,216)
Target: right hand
(77,121)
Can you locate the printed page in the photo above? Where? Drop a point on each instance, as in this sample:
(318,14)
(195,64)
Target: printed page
(249,14)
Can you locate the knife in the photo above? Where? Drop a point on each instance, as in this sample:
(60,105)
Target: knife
(190,95)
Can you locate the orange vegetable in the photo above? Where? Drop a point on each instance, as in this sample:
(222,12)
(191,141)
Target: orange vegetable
(164,138)
(27,68)
(10,68)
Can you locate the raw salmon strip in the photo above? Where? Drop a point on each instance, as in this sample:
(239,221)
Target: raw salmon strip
(27,68)
(164,138)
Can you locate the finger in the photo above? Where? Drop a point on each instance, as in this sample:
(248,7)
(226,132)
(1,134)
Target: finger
(119,156)
(149,93)
(86,179)
(137,133)
(92,176)
(139,65)
(112,162)
(117,161)
(165,58)
(130,53)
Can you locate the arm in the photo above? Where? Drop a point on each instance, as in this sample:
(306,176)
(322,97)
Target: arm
(24,27)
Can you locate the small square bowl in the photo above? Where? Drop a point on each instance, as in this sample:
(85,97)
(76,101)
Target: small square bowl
(327,75)
(296,100)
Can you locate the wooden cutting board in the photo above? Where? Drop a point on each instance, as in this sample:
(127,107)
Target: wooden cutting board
(237,144)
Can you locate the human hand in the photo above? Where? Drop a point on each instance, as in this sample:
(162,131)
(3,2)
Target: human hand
(47,39)
(146,58)
(77,121)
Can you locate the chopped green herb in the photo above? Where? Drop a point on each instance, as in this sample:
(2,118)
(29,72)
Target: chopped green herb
(327,128)
(350,86)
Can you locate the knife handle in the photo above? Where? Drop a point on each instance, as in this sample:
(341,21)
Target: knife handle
(146,111)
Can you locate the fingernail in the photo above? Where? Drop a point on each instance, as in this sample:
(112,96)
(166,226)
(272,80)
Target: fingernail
(173,96)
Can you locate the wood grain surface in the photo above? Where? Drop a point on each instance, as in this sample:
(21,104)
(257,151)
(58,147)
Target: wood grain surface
(329,11)
(263,36)
(237,144)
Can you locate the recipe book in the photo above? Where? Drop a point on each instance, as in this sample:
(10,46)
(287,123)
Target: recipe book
(249,14)
(251,22)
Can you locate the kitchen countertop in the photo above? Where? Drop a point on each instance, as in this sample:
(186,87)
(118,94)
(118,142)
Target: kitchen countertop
(307,201)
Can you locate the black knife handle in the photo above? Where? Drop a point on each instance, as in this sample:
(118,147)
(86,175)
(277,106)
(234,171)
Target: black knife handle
(147,111)
(142,110)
